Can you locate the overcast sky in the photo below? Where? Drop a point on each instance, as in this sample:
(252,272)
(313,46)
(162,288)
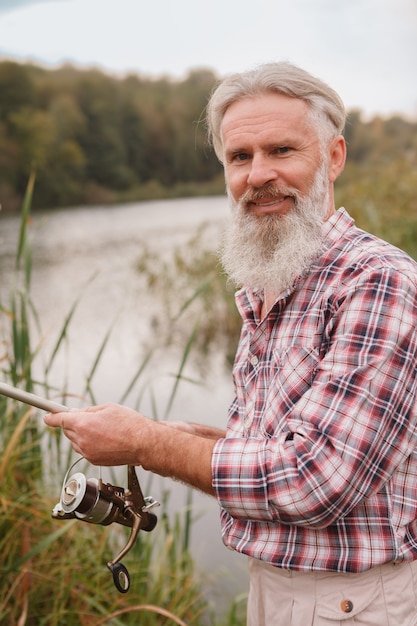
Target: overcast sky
(366,49)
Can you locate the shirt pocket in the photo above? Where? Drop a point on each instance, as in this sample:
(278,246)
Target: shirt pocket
(292,375)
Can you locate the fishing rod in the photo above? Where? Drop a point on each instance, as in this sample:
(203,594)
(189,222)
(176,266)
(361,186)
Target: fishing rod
(31,398)
(93,501)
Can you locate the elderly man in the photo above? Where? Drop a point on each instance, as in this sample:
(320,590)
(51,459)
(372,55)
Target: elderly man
(316,473)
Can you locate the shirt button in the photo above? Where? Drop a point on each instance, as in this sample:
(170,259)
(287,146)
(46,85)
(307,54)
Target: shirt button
(346,606)
(254,360)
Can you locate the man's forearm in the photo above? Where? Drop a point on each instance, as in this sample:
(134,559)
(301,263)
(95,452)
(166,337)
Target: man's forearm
(209,432)
(181,455)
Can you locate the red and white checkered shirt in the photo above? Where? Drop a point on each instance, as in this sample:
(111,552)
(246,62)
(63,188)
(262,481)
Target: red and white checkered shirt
(318,470)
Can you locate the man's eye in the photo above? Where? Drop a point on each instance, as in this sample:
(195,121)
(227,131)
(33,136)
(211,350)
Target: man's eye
(282,150)
(240,156)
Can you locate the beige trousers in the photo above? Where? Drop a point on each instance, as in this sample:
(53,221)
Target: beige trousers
(381,596)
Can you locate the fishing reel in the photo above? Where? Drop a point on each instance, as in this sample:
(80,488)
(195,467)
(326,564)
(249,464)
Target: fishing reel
(93,501)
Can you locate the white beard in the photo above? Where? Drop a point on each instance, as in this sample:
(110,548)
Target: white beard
(271,251)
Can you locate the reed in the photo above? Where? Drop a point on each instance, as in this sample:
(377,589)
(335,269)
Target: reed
(193,292)
(54,573)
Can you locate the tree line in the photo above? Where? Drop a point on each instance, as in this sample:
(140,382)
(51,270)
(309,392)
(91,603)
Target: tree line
(92,137)
(96,138)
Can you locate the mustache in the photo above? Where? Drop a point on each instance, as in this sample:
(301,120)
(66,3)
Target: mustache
(268,191)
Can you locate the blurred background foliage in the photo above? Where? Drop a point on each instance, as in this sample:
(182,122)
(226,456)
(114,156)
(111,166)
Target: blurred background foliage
(379,184)
(95,138)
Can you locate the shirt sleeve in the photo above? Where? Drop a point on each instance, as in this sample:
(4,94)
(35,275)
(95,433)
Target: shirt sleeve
(350,430)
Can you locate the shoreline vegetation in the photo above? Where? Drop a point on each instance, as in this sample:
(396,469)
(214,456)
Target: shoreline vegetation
(54,573)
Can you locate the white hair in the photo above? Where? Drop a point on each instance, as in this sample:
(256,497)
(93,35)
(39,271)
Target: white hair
(326,109)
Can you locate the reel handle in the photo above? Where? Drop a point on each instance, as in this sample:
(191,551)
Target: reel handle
(121,577)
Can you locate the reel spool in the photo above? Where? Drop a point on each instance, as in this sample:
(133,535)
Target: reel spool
(90,500)
(82,497)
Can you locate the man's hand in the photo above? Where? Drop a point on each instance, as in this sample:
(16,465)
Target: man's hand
(109,434)
(112,434)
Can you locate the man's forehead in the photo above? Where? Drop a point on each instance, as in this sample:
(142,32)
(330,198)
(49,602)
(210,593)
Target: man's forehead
(264,112)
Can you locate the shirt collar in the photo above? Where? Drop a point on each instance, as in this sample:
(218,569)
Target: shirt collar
(336,226)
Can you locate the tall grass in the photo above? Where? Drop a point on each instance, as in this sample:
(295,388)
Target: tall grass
(193,277)
(54,573)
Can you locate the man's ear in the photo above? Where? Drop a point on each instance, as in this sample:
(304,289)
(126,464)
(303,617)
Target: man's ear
(337,157)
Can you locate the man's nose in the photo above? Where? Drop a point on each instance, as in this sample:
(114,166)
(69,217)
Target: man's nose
(262,171)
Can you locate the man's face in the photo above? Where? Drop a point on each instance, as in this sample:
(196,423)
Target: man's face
(271,153)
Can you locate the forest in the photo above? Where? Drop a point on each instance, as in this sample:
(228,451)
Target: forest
(95,138)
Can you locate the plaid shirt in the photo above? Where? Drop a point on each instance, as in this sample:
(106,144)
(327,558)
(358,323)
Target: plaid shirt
(318,470)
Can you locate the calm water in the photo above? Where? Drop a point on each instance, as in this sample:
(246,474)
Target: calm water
(72,246)
(90,255)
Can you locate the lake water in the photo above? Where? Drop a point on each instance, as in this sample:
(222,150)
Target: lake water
(69,248)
